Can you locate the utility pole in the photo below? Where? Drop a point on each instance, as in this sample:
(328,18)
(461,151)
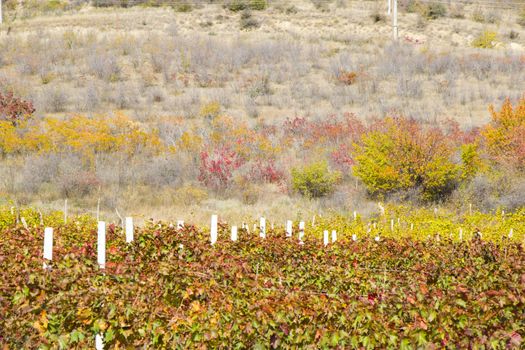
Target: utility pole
(394,21)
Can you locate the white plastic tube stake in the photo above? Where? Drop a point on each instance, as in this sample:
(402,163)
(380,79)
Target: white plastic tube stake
(289,228)
(234,233)
(101,244)
(129,229)
(24,222)
(99,343)
(354,237)
(48,244)
(511,233)
(325,237)
(334,236)
(301,230)
(213,229)
(262,228)
(392,225)
(180,225)
(355,215)
(460,234)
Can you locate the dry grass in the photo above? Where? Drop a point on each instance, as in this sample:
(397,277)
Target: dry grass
(155,61)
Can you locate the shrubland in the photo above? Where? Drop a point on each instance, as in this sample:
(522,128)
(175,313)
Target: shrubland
(395,158)
(181,103)
(163,66)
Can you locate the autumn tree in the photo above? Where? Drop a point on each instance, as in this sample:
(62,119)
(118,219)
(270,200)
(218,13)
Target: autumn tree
(398,154)
(505,136)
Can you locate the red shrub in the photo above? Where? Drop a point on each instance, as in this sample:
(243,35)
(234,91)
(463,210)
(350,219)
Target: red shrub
(14,109)
(266,171)
(217,167)
(342,159)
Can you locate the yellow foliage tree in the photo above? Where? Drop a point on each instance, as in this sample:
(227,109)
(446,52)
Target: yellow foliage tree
(505,136)
(85,136)
(397,154)
(11,141)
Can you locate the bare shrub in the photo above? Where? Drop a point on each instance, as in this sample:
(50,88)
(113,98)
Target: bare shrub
(173,29)
(457,11)
(73,180)
(397,59)
(409,88)
(444,64)
(52,100)
(28,64)
(247,21)
(38,170)
(104,66)
(250,107)
(125,96)
(156,95)
(161,62)
(93,97)
(160,171)
(513,199)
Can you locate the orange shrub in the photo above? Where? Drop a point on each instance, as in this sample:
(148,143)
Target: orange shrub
(505,136)
(347,78)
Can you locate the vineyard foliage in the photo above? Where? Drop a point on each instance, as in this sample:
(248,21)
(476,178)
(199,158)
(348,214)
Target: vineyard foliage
(171,289)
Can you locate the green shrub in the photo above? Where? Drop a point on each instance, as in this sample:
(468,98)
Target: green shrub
(429,11)
(237,5)
(258,5)
(183,7)
(247,22)
(435,10)
(377,16)
(54,5)
(412,6)
(241,5)
(315,180)
(486,40)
